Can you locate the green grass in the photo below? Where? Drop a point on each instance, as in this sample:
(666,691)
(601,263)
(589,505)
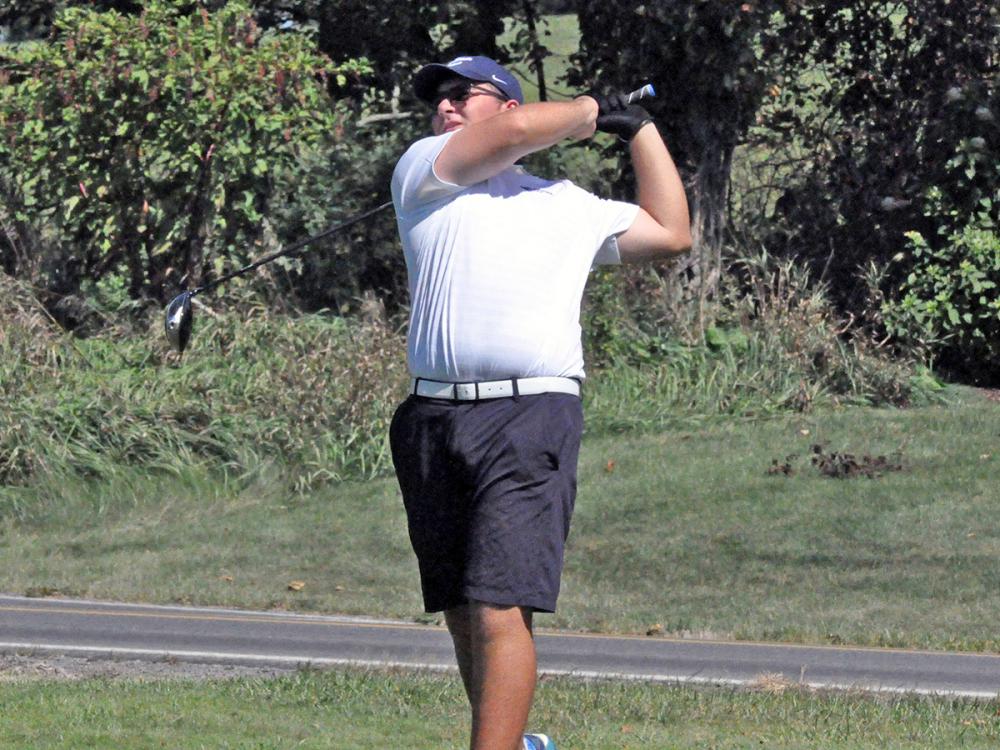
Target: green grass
(690,532)
(355,709)
(682,528)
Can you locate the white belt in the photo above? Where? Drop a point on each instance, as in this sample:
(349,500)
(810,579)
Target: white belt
(493,388)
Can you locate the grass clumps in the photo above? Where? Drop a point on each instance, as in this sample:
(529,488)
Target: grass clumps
(772,343)
(311,391)
(314,393)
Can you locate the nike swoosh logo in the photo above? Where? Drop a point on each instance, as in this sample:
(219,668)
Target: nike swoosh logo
(498,80)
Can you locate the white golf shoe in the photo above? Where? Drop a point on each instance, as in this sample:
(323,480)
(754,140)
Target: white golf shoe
(538,742)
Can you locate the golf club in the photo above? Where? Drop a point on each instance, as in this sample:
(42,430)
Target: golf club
(180,316)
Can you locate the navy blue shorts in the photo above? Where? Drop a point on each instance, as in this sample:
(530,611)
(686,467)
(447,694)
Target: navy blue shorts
(489,488)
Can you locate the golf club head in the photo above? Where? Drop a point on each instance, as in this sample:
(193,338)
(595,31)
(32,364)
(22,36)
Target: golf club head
(178,321)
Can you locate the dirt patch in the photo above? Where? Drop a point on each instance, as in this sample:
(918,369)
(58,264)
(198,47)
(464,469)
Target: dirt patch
(838,465)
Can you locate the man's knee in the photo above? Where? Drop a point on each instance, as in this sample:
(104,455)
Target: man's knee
(490,621)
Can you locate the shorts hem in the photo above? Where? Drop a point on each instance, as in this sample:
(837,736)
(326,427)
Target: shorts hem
(535,603)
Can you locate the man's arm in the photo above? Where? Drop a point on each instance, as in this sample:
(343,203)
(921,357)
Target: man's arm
(662,228)
(483,149)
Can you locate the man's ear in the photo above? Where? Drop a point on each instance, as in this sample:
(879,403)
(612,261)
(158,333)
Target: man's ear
(511,104)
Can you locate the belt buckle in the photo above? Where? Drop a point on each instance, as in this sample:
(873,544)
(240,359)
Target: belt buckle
(466,391)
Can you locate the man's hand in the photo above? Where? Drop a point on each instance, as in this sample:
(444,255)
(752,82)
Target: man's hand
(615,115)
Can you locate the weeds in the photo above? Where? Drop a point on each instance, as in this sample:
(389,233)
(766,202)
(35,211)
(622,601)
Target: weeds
(316,392)
(776,345)
(777,301)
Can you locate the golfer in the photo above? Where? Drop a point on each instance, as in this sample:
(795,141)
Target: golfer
(485,447)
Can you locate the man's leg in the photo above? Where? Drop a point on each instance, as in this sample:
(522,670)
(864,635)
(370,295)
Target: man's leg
(457,620)
(496,657)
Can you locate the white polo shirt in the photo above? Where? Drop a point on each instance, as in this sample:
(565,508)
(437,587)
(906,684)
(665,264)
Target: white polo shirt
(497,269)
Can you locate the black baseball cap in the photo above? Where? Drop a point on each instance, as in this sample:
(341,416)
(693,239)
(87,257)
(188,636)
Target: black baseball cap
(475,68)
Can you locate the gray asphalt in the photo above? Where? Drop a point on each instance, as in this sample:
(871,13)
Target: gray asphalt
(221,636)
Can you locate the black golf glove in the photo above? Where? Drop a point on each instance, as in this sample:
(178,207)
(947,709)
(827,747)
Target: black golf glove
(615,115)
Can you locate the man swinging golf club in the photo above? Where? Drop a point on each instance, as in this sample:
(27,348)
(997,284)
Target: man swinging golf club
(485,447)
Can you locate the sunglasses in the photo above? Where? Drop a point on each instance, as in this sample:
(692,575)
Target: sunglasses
(459,91)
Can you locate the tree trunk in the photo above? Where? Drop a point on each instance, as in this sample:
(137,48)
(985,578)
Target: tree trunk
(537,52)
(707,195)
(198,211)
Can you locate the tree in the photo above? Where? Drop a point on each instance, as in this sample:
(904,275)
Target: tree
(148,147)
(396,38)
(884,102)
(710,60)
(32,19)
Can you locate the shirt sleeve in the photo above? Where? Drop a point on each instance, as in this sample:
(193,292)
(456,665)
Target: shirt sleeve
(414,181)
(615,218)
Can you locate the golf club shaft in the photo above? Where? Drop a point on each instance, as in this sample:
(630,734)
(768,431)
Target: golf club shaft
(290,249)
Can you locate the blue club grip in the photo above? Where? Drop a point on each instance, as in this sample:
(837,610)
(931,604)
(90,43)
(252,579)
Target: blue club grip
(641,93)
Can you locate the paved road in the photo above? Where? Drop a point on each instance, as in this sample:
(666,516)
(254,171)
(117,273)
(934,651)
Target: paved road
(120,631)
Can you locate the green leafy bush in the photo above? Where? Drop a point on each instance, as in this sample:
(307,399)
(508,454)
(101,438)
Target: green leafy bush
(146,146)
(949,304)
(327,185)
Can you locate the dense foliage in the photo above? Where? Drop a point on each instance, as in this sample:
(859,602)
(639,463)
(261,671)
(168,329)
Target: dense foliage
(949,302)
(879,106)
(170,140)
(842,120)
(887,125)
(710,61)
(147,150)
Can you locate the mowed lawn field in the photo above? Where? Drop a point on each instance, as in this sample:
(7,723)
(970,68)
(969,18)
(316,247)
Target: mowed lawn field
(724,529)
(688,529)
(350,710)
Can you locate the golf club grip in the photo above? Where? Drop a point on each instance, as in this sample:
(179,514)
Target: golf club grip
(641,93)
